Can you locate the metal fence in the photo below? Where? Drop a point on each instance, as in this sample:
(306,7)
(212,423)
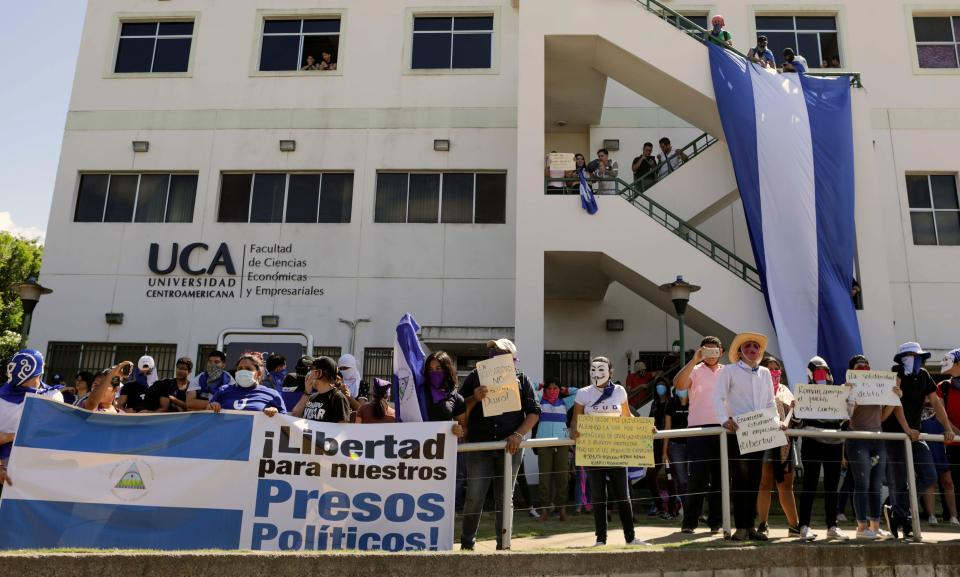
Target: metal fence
(508,481)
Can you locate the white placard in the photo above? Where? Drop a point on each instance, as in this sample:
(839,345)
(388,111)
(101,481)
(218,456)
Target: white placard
(827,402)
(499,375)
(873,388)
(759,431)
(561,161)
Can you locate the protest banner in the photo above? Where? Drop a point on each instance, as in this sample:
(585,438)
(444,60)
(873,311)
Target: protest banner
(759,431)
(561,161)
(873,387)
(828,402)
(499,375)
(614,441)
(237,480)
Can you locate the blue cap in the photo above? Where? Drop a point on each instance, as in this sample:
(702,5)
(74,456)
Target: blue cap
(24,366)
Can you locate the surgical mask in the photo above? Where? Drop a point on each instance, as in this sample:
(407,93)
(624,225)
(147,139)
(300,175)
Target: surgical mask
(661,390)
(214,371)
(436,379)
(682,393)
(245,379)
(776,376)
(551,395)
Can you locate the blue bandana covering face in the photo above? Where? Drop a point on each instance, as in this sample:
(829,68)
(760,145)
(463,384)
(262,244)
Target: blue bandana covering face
(24,366)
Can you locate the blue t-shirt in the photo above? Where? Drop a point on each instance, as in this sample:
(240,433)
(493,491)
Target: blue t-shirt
(256,398)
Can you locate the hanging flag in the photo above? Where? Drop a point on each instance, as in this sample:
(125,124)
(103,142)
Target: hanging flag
(587,201)
(408,395)
(791,141)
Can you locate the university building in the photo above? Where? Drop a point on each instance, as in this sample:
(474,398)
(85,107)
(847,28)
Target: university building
(305,164)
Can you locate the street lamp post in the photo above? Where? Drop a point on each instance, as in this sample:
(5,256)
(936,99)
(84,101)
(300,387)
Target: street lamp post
(680,291)
(30,292)
(353,331)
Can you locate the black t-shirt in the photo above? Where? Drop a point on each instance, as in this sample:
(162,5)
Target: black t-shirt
(481,428)
(446,410)
(647,165)
(163,389)
(329,407)
(678,415)
(915,389)
(658,410)
(136,396)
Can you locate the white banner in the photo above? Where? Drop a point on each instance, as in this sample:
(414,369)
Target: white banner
(827,402)
(873,388)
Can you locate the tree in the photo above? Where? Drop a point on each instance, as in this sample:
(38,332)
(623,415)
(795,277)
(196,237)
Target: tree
(19,260)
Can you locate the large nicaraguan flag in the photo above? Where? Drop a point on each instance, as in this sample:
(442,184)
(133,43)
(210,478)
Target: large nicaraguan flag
(408,388)
(791,141)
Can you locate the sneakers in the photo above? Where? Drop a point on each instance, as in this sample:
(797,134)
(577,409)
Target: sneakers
(534,513)
(955,521)
(841,518)
(756,535)
(884,534)
(868,534)
(740,535)
(762,529)
(639,542)
(686,530)
(806,534)
(793,531)
(600,544)
(932,520)
(837,533)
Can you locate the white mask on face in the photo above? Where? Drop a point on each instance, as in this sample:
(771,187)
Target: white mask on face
(907,362)
(599,374)
(245,379)
(946,363)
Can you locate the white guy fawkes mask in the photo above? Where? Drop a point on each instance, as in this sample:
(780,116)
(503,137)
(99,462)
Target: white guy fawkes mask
(599,374)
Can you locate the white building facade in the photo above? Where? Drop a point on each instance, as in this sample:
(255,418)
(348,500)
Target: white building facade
(208,180)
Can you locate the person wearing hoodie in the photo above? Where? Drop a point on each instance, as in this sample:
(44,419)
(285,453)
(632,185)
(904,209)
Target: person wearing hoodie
(351,374)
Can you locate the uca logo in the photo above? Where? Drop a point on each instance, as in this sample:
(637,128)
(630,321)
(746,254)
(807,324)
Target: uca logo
(130,480)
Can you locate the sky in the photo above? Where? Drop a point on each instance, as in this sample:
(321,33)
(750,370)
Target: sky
(38,55)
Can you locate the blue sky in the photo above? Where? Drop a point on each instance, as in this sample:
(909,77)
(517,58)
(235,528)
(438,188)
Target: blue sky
(38,55)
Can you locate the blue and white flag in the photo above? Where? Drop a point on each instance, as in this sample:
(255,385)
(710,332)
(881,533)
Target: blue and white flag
(791,141)
(587,200)
(409,395)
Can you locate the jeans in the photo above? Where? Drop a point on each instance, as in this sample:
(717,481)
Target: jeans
(554,474)
(679,468)
(484,468)
(746,471)
(815,455)
(704,479)
(926,474)
(866,465)
(619,494)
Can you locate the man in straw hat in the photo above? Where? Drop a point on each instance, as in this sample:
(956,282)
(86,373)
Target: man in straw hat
(744,387)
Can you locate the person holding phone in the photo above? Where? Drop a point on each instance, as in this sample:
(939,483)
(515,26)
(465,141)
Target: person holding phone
(322,400)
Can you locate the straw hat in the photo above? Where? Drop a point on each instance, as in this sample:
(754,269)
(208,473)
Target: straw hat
(734,353)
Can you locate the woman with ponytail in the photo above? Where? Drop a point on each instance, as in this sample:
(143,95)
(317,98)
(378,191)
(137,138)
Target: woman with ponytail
(377,409)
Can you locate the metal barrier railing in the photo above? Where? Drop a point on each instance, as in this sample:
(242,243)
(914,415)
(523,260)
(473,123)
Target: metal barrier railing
(722,433)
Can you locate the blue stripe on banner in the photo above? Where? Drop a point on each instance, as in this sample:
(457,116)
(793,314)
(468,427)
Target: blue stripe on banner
(831,127)
(43,524)
(49,425)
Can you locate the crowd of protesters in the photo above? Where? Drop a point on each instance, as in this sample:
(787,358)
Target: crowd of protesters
(704,392)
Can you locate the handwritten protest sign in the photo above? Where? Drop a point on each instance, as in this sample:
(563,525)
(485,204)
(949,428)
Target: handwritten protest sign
(827,402)
(759,431)
(561,161)
(614,441)
(499,375)
(873,387)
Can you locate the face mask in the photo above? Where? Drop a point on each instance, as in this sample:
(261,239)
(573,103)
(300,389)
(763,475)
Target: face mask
(599,374)
(682,393)
(551,395)
(214,371)
(245,379)
(661,390)
(279,376)
(946,363)
(908,363)
(436,379)
(820,376)
(717,28)
(776,376)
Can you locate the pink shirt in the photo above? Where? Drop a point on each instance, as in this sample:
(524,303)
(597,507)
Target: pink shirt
(703,382)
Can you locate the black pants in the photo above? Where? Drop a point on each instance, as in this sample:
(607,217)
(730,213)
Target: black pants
(745,473)
(953,457)
(703,453)
(815,455)
(619,494)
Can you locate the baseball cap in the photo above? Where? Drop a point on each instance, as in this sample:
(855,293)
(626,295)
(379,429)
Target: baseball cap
(146,362)
(505,345)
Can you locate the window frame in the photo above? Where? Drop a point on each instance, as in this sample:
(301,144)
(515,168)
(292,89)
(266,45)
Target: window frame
(837,12)
(914,11)
(453,12)
(286,192)
(263,15)
(165,355)
(932,210)
(473,216)
(133,218)
(121,18)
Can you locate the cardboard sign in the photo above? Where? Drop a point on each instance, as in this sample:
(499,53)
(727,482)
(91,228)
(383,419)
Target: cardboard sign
(759,431)
(873,388)
(615,441)
(561,161)
(499,375)
(828,402)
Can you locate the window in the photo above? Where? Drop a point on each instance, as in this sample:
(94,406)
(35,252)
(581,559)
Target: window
(813,37)
(571,367)
(136,198)
(332,352)
(278,197)
(154,47)
(309,45)
(698,18)
(452,42)
(447,197)
(938,41)
(377,364)
(67,359)
(934,209)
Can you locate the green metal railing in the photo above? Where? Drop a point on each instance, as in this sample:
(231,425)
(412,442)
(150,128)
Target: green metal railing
(686,154)
(692,29)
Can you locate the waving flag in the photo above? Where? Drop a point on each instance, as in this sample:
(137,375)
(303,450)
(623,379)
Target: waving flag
(791,141)
(409,396)
(587,201)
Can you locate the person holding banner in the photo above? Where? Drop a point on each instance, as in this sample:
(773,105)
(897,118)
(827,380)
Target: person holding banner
(204,385)
(607,399)
(486,467)
(744,387)
(778,462)
(247,394)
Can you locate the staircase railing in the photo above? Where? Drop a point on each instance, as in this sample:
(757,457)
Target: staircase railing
(694,30)
(688,233)
(655,174)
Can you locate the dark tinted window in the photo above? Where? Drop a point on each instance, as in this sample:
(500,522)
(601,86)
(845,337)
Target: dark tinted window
(391,201)
(918,191)
(933,29)
(452,42)
(336,197)
(135,55)
(303,197)
(424,199)
(491,200)
(152,198)
(183,194)
(154,47)
(120,198)
(234,197)
(91,198)
(286,44)
(431,50)
(944,190)
(267,203)
(280,53)
(457,198)
(471,50)
(136,198)
(774,23)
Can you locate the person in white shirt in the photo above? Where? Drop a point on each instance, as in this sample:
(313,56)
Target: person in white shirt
(744,387)
(605,398)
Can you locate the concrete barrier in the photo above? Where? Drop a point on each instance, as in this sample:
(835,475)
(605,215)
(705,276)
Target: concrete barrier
(841,560)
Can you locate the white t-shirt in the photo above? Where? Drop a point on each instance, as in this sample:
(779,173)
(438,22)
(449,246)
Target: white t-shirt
(610,407)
